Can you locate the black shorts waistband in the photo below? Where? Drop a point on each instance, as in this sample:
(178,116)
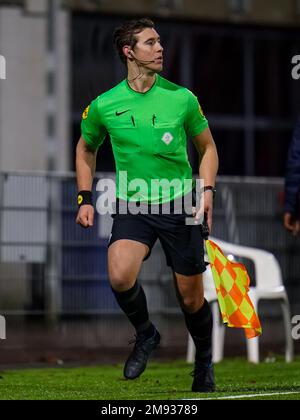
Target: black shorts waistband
(181,205)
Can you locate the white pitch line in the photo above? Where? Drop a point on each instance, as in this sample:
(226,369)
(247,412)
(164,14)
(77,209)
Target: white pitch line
(236,397)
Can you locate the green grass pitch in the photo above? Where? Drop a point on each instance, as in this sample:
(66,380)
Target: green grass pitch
(235,378)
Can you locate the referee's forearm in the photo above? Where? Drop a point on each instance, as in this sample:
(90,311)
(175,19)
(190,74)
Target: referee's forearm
(209,165)
(85,167)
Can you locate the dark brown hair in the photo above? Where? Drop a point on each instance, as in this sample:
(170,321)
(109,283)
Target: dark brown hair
(125,34)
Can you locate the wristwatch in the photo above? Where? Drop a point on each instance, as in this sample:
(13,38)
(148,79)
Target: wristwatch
(210,188)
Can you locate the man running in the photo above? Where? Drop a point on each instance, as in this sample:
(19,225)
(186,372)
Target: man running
(292,185)
(148,120)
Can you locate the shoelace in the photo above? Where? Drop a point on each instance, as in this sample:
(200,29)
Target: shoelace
(136,340)
(139,338)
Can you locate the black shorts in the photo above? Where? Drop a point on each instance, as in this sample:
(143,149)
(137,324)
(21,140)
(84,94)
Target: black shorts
(182,244)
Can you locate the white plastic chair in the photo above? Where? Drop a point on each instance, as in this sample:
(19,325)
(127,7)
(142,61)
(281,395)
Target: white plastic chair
(269,286)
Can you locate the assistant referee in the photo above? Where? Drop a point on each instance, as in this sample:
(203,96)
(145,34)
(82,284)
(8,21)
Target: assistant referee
(148,119)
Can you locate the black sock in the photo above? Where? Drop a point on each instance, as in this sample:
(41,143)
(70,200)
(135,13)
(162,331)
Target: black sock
(200,325)
(134,304)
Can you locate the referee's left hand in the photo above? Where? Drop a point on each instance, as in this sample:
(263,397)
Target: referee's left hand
(206,207)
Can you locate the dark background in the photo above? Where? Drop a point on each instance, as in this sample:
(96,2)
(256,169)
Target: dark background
(241,75)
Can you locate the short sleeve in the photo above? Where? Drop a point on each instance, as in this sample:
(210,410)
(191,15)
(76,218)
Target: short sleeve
(92,129)
(195,121)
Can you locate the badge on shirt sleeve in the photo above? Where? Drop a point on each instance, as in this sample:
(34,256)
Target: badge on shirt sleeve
(201,110)
(86,113)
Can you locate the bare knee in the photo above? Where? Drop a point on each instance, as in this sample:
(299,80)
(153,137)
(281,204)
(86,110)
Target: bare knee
(124,262)
(190,292)
(192,304)
(119,284)
(120,279)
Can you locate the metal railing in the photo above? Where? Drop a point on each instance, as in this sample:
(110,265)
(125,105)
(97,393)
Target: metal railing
(53,272)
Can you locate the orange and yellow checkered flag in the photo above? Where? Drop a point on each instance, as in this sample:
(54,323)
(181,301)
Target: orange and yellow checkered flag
(232,283)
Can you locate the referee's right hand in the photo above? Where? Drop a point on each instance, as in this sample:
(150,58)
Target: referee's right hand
(85,216)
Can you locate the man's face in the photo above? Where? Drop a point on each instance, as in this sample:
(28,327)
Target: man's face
(148,48)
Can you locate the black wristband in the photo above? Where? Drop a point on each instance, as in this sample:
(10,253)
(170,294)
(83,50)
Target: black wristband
(84,198)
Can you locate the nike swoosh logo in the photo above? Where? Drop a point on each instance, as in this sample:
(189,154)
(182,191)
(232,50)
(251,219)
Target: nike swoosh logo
(121,113)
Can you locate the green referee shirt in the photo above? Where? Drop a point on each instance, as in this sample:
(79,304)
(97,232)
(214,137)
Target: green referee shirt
(148,133)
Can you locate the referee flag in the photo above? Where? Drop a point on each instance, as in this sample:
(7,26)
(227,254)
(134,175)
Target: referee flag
(232,284)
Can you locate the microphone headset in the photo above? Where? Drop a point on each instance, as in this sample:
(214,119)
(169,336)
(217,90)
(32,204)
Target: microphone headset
(131,54)
(141,62)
